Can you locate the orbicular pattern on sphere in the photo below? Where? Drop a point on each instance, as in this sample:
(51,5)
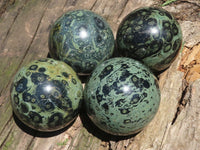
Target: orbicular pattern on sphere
(82,39)
(122,96)
(46,95)
(151,35)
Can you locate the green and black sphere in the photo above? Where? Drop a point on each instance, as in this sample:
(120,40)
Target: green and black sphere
(151,35)
(46,95)
(82,39)
(122,96)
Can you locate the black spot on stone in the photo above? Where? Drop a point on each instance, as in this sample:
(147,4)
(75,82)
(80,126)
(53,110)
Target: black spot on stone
(134,79)
(176,45)
(93,97)
(108,119)
(151,22)
(99,22)
(37,78)
(99,98)
(64,103)
(56,94)
(119,102)
(74,81)
(24,108)
(51,61)
(125,74)
(155,47)
(49,106)
(167,35)
(124,111)
(35,117)
(166,24)
(16,99)
(42,69)
(21,85)
(55,120)
(145,94)
(144,12)
(137,120)
(135,99)
(64,82)
(161,13)
(167,47)
(28,73)
(127,121)
(116,88)
(33,107)
(99,39)
(68,20)
(106,90)
(106,71)
(125,66)
(146,101)
(27,97)
(105,106)
(138,82)
(33,67)
(175,29)
(146,84)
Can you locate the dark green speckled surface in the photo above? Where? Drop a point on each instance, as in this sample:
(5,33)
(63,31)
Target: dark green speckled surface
(151,35)
(82,39)
(122,96)
(46,95)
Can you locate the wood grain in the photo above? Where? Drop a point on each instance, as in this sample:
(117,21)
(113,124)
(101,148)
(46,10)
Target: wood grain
(24,33)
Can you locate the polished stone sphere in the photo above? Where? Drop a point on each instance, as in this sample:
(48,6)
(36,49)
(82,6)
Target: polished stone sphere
(46,95)
(122,96)
(82,39)
(151,35)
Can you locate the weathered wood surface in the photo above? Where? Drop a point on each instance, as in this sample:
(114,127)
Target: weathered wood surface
(24,27)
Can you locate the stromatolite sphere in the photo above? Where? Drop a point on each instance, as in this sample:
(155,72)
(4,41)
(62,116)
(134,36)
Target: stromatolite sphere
(82,39)
(46,95)
(151,35)
(122,96)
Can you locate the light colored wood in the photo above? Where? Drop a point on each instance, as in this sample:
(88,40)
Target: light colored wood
(24,33)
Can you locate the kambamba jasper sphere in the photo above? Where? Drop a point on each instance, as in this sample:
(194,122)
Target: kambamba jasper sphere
(46,95)
(151,35)
(81,39)
(122,96)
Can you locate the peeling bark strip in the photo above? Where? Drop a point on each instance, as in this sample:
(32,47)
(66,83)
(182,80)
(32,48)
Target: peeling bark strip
(24,33)
(190,63)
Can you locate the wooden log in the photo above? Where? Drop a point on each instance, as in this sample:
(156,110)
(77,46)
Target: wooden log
(24,33)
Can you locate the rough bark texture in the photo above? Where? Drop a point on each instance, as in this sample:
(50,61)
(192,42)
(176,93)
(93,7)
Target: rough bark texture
(24,32)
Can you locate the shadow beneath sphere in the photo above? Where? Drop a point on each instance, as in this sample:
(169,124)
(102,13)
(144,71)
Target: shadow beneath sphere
(37,133)
(84,78)
(95,131)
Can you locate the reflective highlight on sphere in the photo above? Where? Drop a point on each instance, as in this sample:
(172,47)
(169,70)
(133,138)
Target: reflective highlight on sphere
(151,35)
(122,96)
(82,39)
(46,95)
